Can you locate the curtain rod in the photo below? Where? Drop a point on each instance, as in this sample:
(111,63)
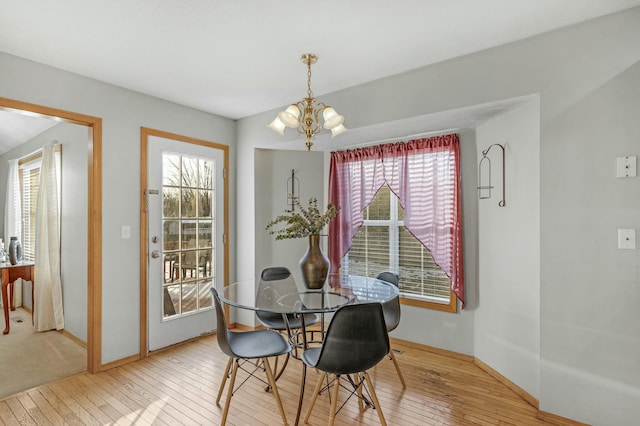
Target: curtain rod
(403,138)
(38,152)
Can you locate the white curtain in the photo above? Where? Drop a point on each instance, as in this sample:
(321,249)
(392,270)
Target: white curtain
(48,313)
(12,213)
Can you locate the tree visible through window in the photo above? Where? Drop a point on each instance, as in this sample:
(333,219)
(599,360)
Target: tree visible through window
(188,223)
(383,243)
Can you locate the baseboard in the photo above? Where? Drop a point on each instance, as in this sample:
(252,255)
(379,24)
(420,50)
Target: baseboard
(243,327)
(432,349)
(74,338)
(559,420)
(542,415)
(508,383)
(530,399)
(119,362)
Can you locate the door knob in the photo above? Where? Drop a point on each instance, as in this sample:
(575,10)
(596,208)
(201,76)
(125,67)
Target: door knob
(155,254)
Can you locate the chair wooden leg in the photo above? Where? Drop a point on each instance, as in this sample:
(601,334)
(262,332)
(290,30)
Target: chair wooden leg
(372,391)
(334,401)
(224,380)
(272,382)
(395,363)
(316,391)
(359,389)
(232,383)
(284,365)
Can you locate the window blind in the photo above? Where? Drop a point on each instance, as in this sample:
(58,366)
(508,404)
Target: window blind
(30,183)
(383,243)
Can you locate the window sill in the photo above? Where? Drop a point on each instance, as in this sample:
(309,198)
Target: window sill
(451,307)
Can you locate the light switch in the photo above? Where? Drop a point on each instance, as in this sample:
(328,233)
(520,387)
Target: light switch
(626,239)
(125,232)
(626,166)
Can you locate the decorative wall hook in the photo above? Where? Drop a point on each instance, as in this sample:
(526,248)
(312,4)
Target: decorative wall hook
(484,175)
(293,191)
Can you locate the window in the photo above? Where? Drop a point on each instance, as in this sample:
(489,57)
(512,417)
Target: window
(374,231)
(187,219)
(29,176)
(383,243)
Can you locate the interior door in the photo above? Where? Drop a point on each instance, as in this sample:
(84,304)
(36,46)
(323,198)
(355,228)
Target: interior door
(185,197)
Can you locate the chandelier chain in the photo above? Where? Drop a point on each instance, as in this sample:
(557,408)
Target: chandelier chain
(309,94)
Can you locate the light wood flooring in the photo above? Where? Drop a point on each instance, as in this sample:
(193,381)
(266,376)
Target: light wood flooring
(179,385)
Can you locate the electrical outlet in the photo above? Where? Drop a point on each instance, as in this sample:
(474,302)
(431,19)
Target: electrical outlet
(627,239)
(626,166)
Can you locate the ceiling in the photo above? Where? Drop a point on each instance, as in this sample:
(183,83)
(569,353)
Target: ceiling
(239,58)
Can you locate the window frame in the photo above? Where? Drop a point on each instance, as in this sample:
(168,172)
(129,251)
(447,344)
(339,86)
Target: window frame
(393,223)
(26,164)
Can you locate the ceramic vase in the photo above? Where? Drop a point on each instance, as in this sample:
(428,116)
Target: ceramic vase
(314,265)
(15,251)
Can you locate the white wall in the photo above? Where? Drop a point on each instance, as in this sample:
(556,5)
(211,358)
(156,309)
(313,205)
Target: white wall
(123,113)
(272,171)
(590,289)
(73,216)
(507,317)
(587,80)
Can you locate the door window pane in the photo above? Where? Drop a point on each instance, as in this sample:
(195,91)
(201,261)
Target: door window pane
(188,240)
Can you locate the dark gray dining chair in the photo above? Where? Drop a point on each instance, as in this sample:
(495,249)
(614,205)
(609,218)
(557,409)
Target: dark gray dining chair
(244,346)
(356,341)
(391,311)
(276,282)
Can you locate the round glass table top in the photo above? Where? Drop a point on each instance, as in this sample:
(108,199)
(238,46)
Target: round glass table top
(339,290)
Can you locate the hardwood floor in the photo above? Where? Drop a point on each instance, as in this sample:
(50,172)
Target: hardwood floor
(178,386)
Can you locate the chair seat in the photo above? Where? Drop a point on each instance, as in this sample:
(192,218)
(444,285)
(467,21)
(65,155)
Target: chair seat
(258,344)
(276,322)
(311,356)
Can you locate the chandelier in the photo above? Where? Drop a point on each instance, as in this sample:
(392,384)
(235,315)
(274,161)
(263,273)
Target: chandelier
(309,124)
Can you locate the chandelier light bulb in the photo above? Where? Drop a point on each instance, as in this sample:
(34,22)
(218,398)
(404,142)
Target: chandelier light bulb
(331,118)
(337,130)
(277,126)
(290,116)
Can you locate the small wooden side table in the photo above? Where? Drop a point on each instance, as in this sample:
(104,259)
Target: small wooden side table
(10,273)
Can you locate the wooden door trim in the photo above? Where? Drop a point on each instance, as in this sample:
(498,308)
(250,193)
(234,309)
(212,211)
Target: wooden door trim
(94,205)
(145,132)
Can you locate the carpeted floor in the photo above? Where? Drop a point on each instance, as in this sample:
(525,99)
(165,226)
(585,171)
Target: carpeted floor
(29,359)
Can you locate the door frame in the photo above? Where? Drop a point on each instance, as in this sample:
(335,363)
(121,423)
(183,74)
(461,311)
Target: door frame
(94,205)
(145,132)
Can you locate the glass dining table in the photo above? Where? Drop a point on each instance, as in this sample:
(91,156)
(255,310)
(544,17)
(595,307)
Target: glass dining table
(339,290)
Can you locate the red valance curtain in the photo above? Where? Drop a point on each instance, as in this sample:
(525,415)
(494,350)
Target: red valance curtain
(425,175)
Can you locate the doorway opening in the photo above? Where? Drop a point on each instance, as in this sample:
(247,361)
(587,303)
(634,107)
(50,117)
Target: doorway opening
(94,215)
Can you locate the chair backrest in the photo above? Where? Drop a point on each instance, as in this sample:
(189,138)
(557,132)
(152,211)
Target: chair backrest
(356,339)
(275,282)
(391,308)
(222,330)
(275,273)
